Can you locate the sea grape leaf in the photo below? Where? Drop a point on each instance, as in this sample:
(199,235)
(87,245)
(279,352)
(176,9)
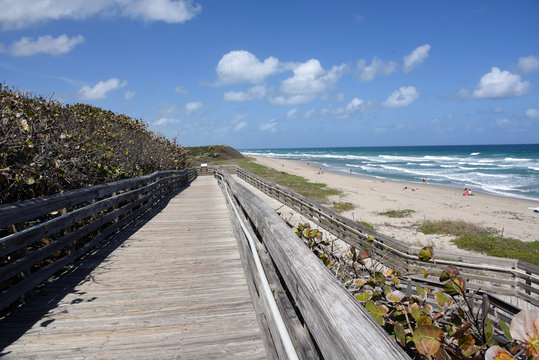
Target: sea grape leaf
(364,254)
(427,339)
(399,333)
(442,299)
(364,296)
(466,342)
(505,328)
(455,286)
(395,296)
(426,253)
(449,273)
(489,332)
(425,273)
(497,353)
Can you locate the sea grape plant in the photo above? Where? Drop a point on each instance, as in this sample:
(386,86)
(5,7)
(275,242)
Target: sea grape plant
(430,322)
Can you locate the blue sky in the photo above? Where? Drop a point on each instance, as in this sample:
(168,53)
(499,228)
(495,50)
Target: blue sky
(262,74)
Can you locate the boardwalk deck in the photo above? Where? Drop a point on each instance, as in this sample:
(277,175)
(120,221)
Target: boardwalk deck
(174,289)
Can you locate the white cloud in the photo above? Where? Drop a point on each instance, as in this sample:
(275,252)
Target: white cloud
(502,122)
(501,84)
(291,100)
(192,107)
(291,114)
(377,67)
(46,44)
(161,10)
(129,94)
(239,126)
(310,78)
(241,66)
(165,121)
(309,114)
(402,97)
(528,64)
(340,97)
(18,14)
(532,113)
(181,90)
(270,126)
(100,90)
(256,92)
(416,57)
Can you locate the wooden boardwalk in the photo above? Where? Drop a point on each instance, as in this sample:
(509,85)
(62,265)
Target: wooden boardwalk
(173,289)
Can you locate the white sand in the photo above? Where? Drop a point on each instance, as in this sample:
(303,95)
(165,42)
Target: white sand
(371,196)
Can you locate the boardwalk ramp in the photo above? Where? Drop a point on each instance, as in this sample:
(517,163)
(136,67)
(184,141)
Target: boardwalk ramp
(173,289)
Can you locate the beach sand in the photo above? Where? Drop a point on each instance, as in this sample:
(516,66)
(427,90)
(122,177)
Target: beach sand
(432,202)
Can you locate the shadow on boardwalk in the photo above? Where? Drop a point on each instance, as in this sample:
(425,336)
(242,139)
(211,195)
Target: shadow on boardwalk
(19,320)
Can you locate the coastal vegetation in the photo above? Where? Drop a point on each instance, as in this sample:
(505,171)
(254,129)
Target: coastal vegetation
(484,240)
(431,323)
(212,154)
(315,191)
(47,147)
(397,213)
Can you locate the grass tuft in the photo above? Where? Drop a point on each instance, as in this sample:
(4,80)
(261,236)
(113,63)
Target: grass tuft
(397,213)
(366,224)
(484,240)
(343,206)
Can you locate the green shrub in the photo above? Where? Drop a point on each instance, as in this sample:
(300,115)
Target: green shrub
(46,147)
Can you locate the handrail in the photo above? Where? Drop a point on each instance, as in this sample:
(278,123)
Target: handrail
(283,333)
(341,327)
(514,278)
(39,243)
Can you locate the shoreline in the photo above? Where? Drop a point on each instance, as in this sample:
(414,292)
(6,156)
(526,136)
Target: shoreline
(371,195)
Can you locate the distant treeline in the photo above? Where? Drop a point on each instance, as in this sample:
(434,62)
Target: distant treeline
(47,147)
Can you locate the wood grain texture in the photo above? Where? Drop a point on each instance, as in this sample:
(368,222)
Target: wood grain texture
(174,289)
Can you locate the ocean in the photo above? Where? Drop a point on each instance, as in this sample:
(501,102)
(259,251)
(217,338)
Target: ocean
(507,170)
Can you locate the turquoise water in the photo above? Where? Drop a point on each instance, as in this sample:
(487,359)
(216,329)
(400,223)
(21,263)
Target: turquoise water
(508,170)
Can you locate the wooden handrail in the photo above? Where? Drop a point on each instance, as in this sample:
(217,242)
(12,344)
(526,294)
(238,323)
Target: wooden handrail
(493,275)
(341,327)
(92,215)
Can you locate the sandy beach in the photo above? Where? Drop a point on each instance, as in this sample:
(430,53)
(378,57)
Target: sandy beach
(432,202)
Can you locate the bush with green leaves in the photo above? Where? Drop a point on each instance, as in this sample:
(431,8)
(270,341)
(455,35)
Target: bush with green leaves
(46,147)
(431,322)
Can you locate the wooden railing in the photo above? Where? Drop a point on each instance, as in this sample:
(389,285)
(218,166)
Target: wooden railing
(516,281)
(42,235)
(322,318)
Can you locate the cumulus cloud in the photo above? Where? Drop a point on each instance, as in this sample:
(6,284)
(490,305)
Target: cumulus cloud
(501,84)
(256,92)
(240,66)
(165,121)
(44,44)
(291,114)
(100,90)
(239,126)
(192,107)
(291,100)
(416,57)
(404,96)
(354,105)
(311,78)
(18,14)
(180,90)
(377,68)
(532,113)
(528,64)
(270,126)
(129,94)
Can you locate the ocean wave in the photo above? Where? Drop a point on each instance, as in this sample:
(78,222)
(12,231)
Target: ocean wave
(517,159)
(533,168)
(474,154)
